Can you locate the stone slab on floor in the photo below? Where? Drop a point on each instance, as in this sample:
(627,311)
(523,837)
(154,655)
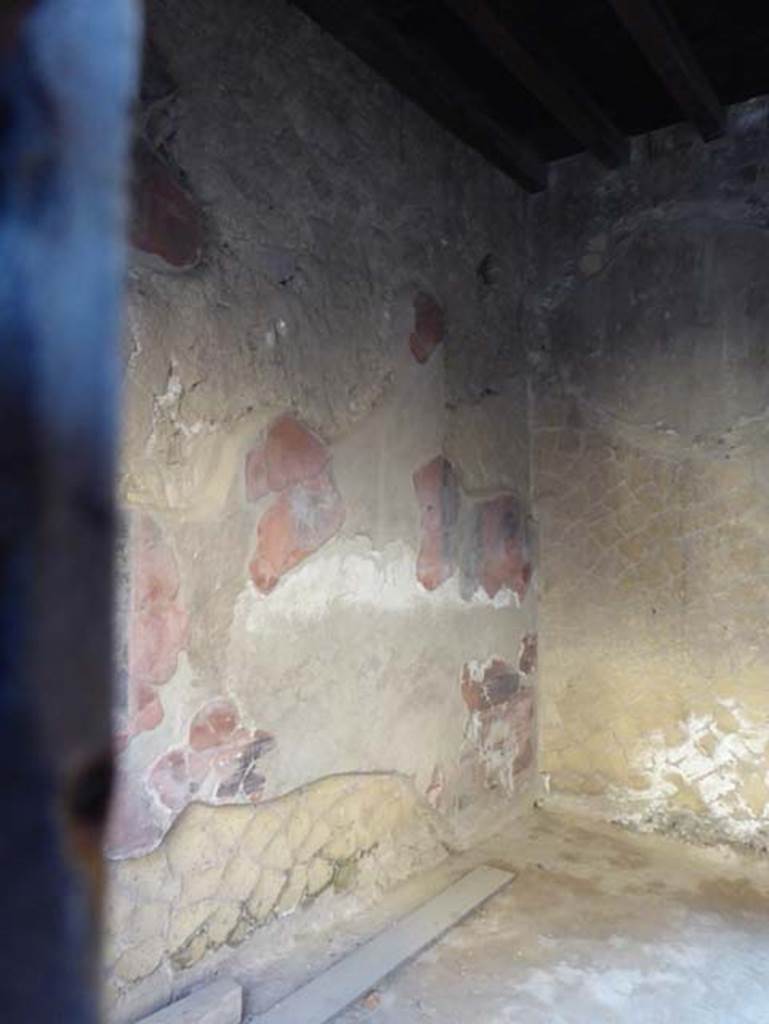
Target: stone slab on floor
(331,992)
(219,1003)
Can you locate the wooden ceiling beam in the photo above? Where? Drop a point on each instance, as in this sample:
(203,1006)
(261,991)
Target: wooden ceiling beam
(431,83)
(652,26)
(552,85)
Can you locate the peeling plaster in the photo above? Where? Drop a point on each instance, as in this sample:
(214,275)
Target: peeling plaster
(355,575)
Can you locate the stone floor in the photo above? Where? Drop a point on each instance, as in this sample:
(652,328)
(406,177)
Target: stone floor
(600,925)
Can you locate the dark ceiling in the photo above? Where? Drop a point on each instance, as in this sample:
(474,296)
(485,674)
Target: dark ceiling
(530,81)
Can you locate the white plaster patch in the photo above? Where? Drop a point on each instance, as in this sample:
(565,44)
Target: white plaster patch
(495,749)
(136,345)
(173,391)
(352,640)
(167,406)
(355,575)
(476,670)
(717,778)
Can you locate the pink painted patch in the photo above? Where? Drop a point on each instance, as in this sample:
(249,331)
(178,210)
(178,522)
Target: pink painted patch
(299,522)
(502,555)
(213,725)
(172,780)
(434,791)
(133,827)
(437,495)
(158,621)
(157,637)
(156,627)
(429,327)
(218,762)
(292,454)
(219,766)
(149,710)
(256,475)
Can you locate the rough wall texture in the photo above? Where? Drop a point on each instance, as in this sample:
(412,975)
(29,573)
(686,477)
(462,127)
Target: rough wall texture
(224,871)
(325,473)
(648,319)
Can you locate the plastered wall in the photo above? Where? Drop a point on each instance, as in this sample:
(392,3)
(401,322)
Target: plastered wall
(648,324)
(328,653)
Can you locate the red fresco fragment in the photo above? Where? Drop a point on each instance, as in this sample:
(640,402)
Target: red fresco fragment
(178,776)
(213,725)
(219,763)
(502,555)
(497,686)
(292,454)
(158,620)
(502,716)
(299,522)
(149,710)
(171,781)
(166,221)
(429,327)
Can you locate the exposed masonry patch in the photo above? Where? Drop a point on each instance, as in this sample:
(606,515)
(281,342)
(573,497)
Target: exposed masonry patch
(222,873)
